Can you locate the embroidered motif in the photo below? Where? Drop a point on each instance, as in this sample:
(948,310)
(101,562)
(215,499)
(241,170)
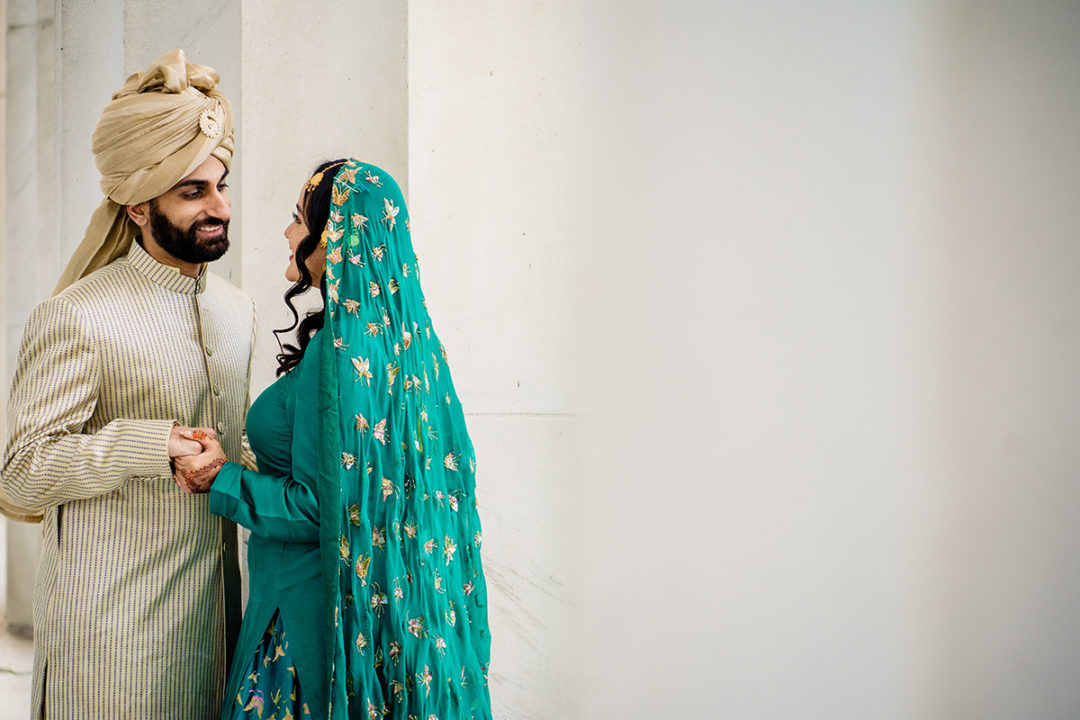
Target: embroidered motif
(211,124)
(339,196)
(390,212)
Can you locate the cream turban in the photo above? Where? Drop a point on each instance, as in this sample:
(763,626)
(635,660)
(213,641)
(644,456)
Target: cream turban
(160,126)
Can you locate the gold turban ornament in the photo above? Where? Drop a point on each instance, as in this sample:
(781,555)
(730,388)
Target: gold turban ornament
(157,129)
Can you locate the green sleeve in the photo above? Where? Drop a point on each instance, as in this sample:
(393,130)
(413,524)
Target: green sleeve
(277,508)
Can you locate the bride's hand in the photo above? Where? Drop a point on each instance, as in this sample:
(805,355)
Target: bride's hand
(196,473)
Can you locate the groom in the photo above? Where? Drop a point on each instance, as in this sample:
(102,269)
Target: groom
(136,605)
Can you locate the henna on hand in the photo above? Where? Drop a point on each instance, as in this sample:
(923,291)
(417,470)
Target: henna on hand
(201,435)
(198,480)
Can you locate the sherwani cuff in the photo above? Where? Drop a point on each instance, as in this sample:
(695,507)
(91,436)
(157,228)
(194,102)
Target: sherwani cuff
(143,446)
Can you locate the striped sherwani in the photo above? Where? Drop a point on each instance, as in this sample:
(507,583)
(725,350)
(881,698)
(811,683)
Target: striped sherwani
(129,605)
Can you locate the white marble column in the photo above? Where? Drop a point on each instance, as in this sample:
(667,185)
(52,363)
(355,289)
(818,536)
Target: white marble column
(321,83)
(90,58)
(29,231)
(494,192)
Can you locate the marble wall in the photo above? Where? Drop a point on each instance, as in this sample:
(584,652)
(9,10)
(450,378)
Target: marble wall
(473,132)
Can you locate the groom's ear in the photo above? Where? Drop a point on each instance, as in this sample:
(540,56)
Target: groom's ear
(139,214)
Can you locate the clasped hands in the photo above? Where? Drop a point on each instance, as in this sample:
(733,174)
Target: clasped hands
(196,458)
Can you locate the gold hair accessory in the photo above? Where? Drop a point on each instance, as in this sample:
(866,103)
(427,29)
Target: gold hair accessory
(317,177)
(314,181)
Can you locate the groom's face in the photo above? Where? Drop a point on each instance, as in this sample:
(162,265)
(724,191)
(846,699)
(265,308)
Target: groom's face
(191,220)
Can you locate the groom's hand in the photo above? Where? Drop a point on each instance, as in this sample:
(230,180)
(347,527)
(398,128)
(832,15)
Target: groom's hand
(180,445)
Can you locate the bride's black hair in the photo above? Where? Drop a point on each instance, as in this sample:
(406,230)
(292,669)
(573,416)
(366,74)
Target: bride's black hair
(316,212)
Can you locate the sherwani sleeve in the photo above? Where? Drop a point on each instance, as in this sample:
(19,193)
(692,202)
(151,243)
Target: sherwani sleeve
(48,460)
(278,508)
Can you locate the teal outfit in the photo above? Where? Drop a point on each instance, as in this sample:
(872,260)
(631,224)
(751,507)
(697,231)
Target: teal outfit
(365,536)
(280,506)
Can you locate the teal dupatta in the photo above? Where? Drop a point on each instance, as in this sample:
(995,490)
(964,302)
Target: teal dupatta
(405,598)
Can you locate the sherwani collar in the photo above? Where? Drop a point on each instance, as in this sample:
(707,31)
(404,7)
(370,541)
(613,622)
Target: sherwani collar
(166,276)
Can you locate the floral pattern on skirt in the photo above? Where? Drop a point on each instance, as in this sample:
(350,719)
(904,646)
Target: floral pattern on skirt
(269,690)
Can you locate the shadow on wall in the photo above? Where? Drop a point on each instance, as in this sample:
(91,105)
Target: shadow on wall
(832,348)
(1006,223)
